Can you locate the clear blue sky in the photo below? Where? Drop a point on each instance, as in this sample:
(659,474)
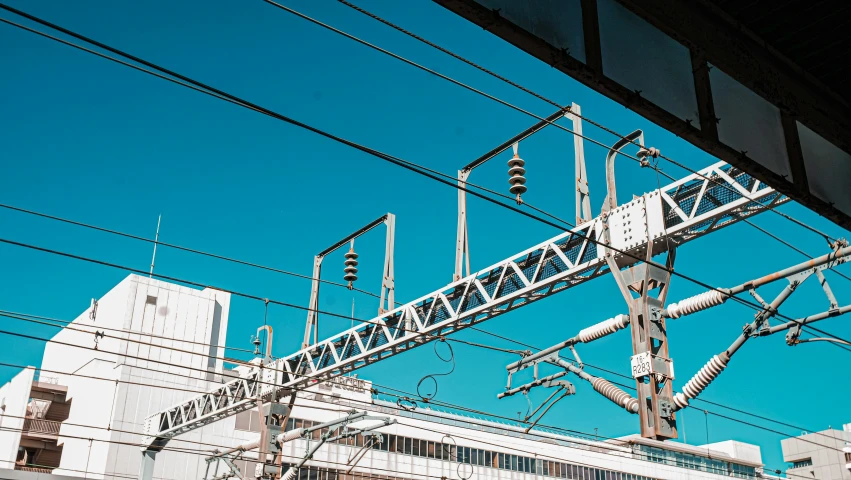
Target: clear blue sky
(84,138)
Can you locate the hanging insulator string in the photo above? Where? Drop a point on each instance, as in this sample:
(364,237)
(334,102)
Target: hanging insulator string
(516,177)
(351,270)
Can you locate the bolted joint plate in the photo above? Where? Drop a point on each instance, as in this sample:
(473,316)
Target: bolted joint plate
(630,223)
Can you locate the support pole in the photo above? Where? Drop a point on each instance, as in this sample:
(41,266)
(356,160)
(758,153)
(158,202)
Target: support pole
(462,243)
(583,198)
(156,241)
(313,306)
(146,469)
(388,286)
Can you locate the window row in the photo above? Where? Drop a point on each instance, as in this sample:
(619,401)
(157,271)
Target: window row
(315,473)
(473,456)
(696,462)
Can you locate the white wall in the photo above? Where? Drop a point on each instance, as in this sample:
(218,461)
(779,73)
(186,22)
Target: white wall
(15,396)
(156,333)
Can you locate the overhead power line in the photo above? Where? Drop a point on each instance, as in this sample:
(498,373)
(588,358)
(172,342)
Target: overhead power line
(203,88)
(405,394)
(368,404)
(518,86)
(177,247)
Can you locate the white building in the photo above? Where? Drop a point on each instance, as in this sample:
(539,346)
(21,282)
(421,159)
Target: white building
(156,353)
(824,455)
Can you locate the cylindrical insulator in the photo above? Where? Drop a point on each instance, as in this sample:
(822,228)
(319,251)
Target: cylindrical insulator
(606,327)
(290,435)
(701,380)
(615,394)
(351,270)
(290,475)
(516,174)
(696,303)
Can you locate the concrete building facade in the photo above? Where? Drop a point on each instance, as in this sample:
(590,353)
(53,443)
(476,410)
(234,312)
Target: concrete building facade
(824,455)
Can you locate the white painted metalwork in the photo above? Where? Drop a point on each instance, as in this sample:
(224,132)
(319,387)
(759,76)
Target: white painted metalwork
(550,267)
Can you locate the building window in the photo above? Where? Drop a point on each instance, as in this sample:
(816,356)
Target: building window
(802,463)
(151,300)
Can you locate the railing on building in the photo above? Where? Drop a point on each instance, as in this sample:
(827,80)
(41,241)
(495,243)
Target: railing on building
(37,425)
(46,379)
(24,468)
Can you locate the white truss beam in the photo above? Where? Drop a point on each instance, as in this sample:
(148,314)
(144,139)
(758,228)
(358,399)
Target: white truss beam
(673,215)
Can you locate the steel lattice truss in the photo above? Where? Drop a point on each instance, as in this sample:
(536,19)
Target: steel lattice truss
(701,203)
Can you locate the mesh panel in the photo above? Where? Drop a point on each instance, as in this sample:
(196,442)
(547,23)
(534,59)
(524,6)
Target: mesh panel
(590,250)
(475,299)
(378,339)
(571,249)
(510,285)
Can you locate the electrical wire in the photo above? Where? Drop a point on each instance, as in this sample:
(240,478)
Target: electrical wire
(173,279)
(840,339)
(255,297)
(433,376)
(567,109)
(203,88)
(178,247)
(528,91)
(56,322)
(478,412)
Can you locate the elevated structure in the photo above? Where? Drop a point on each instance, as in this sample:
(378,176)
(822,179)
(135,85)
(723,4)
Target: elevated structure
(713,198)
(733,78)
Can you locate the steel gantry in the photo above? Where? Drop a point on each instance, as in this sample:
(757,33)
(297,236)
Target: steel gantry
(696,205)
(388,287)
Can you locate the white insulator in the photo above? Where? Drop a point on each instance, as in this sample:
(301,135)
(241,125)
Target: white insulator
(290,475)
(351,263)
(694,304)
(290,435)
(606,327)
(615,394)
(516,174)
(701,380)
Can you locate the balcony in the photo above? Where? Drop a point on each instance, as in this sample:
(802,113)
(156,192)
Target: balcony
(37,427)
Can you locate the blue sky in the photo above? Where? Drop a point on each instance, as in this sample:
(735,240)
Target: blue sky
(97,142)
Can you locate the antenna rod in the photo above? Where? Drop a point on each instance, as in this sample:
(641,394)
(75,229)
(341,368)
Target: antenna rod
(156,239)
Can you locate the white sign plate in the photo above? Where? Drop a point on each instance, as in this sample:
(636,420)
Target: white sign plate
(641,365)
